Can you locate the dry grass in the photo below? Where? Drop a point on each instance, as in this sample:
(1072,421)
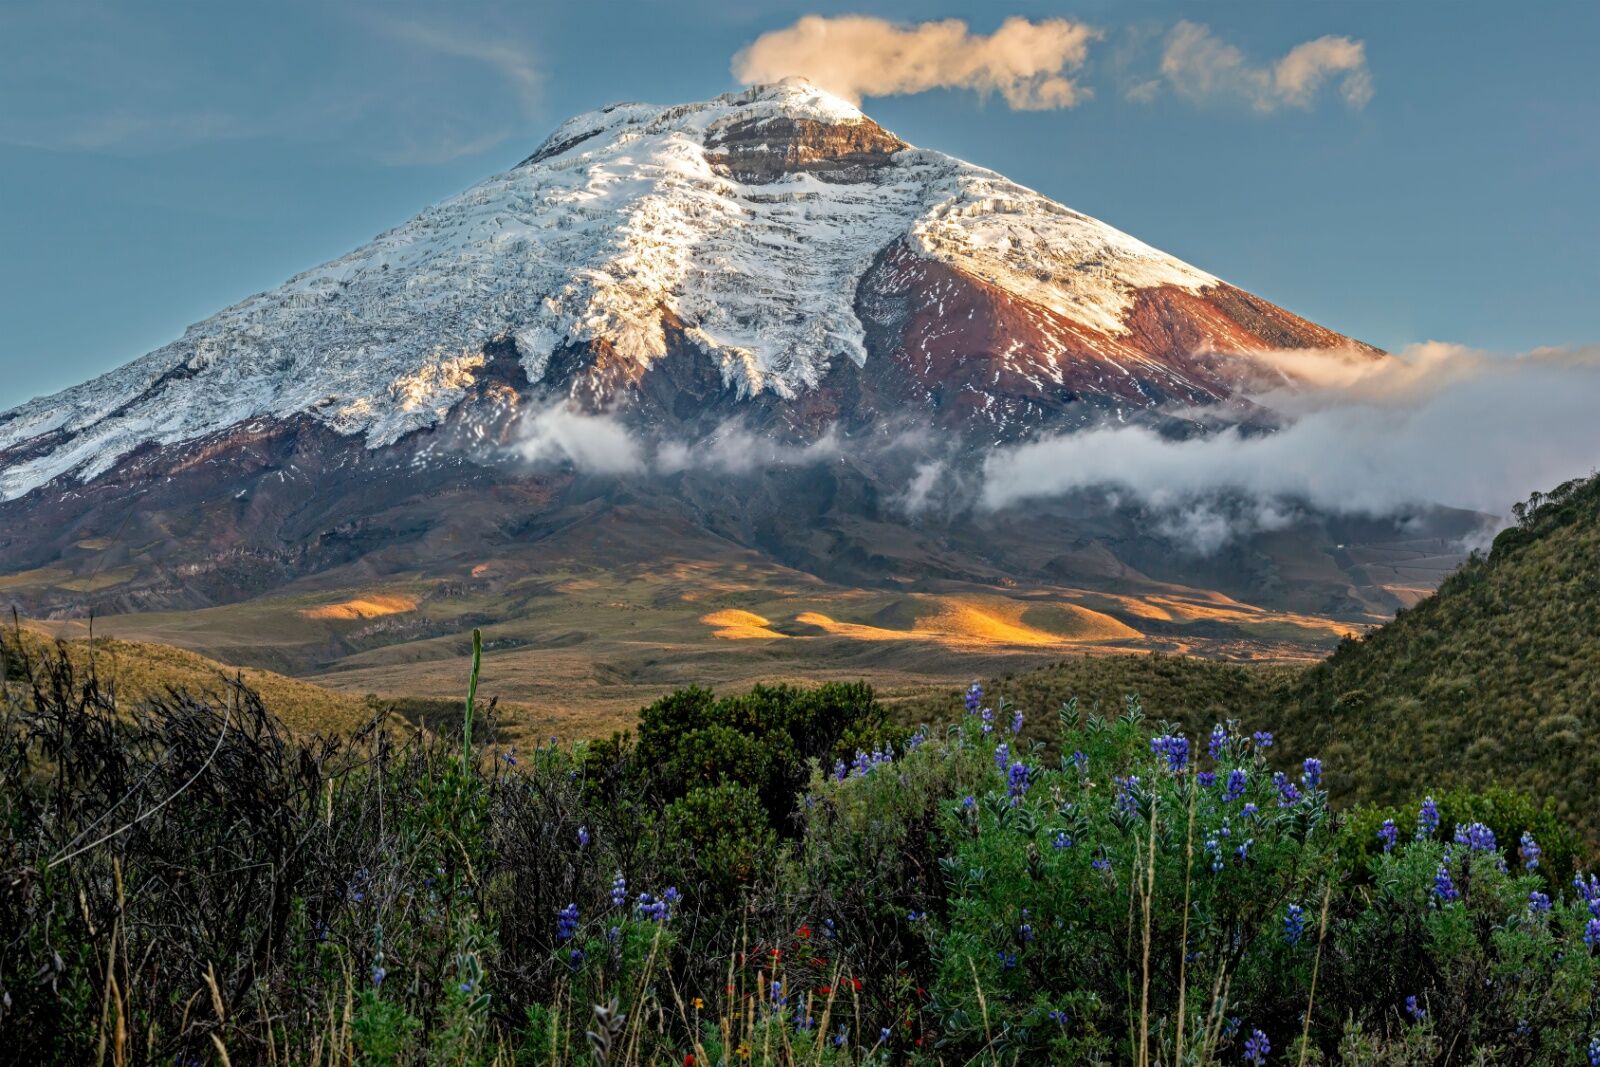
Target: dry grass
(372,606)
(138,670)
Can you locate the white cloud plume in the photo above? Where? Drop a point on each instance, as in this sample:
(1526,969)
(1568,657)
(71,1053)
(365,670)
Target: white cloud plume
(1438,424)
(597,444)
(1029,64)
(1202,67)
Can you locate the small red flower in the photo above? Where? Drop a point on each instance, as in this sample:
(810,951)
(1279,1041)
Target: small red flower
(688,1060)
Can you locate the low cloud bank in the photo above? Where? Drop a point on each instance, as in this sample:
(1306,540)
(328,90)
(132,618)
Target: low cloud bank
(1028,63)
(1437,424)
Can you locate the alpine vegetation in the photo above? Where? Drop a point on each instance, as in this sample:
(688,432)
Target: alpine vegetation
(782,877)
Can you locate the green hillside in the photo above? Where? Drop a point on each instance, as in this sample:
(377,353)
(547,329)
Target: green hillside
(1493,680)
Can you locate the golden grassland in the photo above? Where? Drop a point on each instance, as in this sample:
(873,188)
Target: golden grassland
(576,650)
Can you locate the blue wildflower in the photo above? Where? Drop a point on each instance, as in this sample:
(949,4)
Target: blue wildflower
(583,837)
(1415,1009)
(1017,780)
(1538,902)
(1207,779)
(619,891)
(1476,837)
(1061,840)
(974,697)
(1591,933)
(1312,776)
(1002,757)
(1263,739)
(1256,1047)
(1444,887)
(1217,745)
(1427,819)
(1294,924)
(575,958)
(1080,760)
(1175,747)
(1238,781)
(566,922)
(1016,722)
(1288,792)
(1008,960)
(1529,851)
(1387,834)
(1243,851)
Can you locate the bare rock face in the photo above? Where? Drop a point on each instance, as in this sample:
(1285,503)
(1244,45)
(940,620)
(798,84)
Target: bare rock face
(759,151)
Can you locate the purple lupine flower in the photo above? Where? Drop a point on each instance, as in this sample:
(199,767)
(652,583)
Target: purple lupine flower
(1415,1009)
(1213,848)
(1387,834)
(840,771)
(1057,1017)
(1016,722)
(510,757)
(1008,960)
(1312,776)
(575,958)
(1288,792)
(1444,887)
(1529,851)
(974,697)
(619,891)
(1588,889)
(1127,801)
(1238,782)
(567,922)
(861,764)
(1017,780)
(1061,840)
(1025,933)
(378,975)
(1080,760)
(1294,923)
(1248,811)
(1100,863)
(583,837)
(1207,779)
(1002,757)
(987,715)
(1594,1052)
(1256,1047)
(1175,747)
(1218,742)
(883,1036)
(1243,851)
(968,802)
(1538,902)
(1591,933)
(1477,837)
(1263,739)
(1427,819)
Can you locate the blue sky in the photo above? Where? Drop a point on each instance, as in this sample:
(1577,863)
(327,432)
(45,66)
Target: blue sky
(159,161)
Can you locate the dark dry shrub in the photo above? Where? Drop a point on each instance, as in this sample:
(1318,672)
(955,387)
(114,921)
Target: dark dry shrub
(163,845)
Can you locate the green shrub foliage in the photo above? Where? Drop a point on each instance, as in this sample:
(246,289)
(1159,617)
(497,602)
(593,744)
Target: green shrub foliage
(782,877)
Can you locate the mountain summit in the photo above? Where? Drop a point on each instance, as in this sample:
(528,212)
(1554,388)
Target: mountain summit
(777,235)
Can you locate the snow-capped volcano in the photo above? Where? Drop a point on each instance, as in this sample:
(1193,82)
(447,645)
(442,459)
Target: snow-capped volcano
(777,232)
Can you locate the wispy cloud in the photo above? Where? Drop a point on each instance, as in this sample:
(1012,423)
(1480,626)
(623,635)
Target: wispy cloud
(1030,64)
(1203,68)
(509,59)
(1439,424)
